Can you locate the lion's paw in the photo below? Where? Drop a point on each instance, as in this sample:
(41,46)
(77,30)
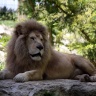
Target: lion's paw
(21,77)
(93,78)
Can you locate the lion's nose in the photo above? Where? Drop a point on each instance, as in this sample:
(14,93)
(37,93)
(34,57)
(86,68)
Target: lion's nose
(40,47)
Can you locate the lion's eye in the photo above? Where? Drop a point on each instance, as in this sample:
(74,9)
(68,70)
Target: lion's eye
(32,38)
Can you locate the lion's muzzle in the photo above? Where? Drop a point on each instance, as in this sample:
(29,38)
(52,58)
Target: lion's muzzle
(35,55)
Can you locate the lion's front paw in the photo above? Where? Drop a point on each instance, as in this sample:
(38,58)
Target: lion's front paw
(21,77)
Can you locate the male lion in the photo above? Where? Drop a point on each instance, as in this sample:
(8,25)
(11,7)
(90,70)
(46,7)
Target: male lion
(30,57)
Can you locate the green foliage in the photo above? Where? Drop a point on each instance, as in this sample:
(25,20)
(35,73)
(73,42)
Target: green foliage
(2,66)
(4,40)
(84,24)
(64,17)
(7,14)
(76,5)
(9,23)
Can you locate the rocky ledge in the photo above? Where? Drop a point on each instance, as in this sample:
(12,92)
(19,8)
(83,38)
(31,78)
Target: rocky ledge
(59,87)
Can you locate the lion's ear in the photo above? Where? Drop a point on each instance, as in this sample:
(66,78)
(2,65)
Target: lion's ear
(18,30)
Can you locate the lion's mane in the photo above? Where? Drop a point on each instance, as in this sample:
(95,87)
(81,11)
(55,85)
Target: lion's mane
(18,59)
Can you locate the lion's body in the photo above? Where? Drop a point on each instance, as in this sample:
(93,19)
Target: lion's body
(30,57)
(59,66)
(64,66)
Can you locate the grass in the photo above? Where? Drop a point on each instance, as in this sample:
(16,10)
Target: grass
(4,40)
(9,23)
(2,65)
(3,43)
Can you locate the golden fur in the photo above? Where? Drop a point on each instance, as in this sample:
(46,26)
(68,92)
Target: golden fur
(24,64)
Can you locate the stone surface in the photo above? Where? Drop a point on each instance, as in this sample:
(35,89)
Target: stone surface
(5,30)
(2,56)
(59,87)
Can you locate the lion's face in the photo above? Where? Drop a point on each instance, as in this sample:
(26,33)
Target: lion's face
(35,45)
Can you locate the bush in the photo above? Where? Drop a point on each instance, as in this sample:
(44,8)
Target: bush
(7,14)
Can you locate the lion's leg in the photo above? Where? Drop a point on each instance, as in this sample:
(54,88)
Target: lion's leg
(86,66)
(76,72)
(6,74)
(83,78)
(93,78)
(28,75)
(78,75)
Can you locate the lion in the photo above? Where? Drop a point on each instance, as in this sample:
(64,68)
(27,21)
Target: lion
(30,56)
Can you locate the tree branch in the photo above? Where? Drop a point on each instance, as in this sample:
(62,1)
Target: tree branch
(58,7)
(86,36)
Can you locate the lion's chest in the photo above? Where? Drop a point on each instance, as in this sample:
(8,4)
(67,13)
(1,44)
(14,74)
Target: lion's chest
(57,70)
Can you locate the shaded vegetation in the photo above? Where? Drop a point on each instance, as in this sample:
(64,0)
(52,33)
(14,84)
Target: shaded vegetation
(4,40)
(8,23)
(2,65)
(64,17)
(7,14)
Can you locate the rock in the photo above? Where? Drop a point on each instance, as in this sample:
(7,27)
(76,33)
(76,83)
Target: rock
(4,30)
(2,56)
(59,87)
